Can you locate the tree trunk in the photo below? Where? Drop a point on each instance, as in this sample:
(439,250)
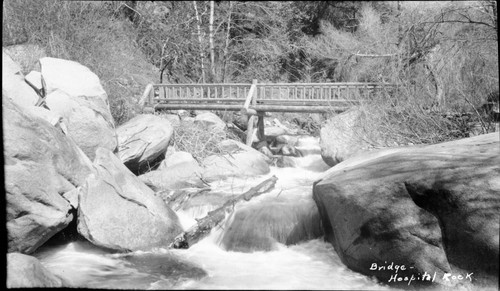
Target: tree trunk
(162,67)
(215,217)
(226,47)
(211,40)
(177,199)
(437,84)
(429,63)
(400,29)
(200,40)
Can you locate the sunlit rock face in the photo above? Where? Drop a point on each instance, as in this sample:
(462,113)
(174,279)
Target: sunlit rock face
(143,141)
(239,160)
(434,208)
(179,176)
(289,218)
(13,85)
(75,92)
(117,211)
(41,166)
(210,121)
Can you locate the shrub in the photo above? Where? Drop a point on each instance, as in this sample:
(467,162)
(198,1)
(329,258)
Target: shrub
(194,138)
(403,119)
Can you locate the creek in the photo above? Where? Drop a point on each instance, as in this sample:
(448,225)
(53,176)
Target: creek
(311,264)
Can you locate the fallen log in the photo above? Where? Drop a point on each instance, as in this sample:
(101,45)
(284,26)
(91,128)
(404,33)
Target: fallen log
(176,199)
(204,225)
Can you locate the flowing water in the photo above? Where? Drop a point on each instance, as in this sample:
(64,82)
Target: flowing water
(312,264)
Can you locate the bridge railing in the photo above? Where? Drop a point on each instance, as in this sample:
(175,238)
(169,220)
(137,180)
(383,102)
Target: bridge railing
(169,92)
(317,91)
(233,96)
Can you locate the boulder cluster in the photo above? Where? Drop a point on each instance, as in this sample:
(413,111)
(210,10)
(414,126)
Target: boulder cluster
(66,163)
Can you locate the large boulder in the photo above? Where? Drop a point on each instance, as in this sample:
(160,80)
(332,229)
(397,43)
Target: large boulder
(13,85)
(287,139)
(178,176)
(274,131)
(174,119)
(344,136)
(35,80)
(75,93)
(51,117)
(40,164)
(143,140)
(177,157)
(211,121)
(27,272)
(259,226)
(240,160)
(73,78)
(117,211)
(430,208)
(85,125)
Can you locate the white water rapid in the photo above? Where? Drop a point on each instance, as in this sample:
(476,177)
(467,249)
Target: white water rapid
(311,264)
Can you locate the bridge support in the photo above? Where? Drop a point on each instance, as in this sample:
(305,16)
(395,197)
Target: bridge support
(250,130)
(260,128)
(251,124)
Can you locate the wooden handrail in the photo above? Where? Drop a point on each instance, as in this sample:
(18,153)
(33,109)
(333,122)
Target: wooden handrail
(206,85)
(327,84)
(251,94)
(277,84)
(146,94)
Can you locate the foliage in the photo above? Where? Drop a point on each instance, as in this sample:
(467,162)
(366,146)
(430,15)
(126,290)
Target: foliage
(436,54)
(194,138)
(443,55)
(89,33)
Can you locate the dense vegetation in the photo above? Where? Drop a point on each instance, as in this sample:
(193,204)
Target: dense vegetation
(444,55)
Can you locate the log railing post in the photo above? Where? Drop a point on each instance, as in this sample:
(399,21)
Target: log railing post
(250,100)
(147,96)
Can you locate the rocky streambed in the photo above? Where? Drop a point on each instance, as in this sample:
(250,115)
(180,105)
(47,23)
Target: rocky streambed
(88,205)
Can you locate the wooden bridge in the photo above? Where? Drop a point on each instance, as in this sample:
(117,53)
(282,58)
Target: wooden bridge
(255,99)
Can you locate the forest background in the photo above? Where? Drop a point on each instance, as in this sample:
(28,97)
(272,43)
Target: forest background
(443,55)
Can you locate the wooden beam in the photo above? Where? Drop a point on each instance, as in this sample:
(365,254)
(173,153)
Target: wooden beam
(229,107)
(198,100)
(250,130)
(285,108)
(251,111)
(260,125)
(251,94)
